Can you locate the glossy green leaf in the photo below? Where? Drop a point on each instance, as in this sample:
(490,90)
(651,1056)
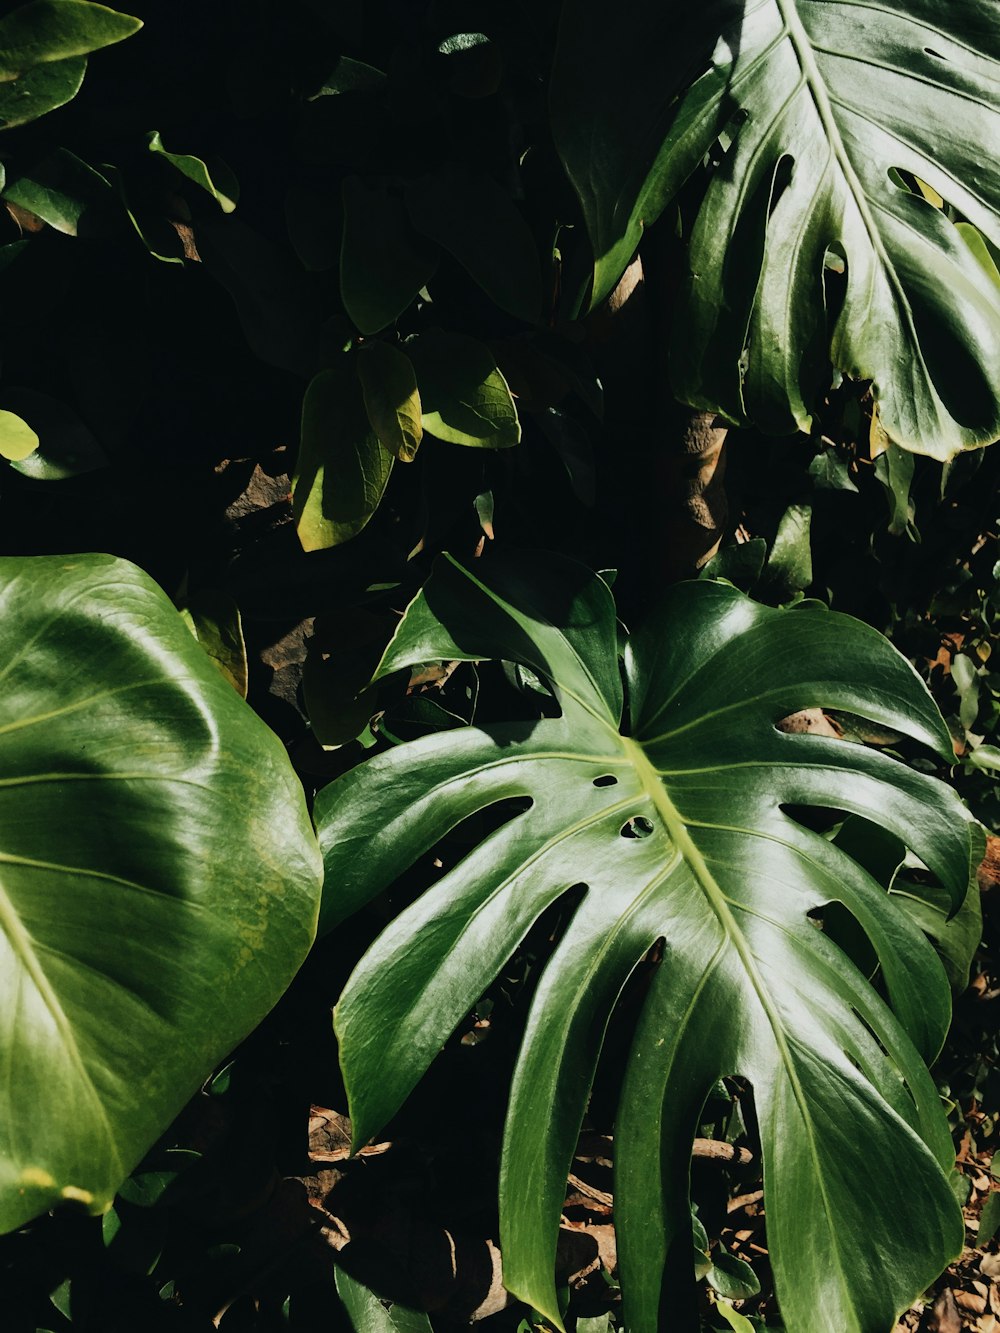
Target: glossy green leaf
(980,251)
(66,193)
(343,468)
(214,619)
(464,397)
(383,261)
(830,472)
(739,1322)
(220,182)
(955,934)
(474,219)
(368,1314)
(789,564)
(46,31)
(681,828)
(17,439)
(894,469)
(66,446)
(40,89)
(392,399)
(732,1278)
(810,112)
(158,876)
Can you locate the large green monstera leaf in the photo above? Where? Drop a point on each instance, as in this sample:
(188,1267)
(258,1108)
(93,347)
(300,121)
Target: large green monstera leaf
(679,828)
(159,879)
(814,238)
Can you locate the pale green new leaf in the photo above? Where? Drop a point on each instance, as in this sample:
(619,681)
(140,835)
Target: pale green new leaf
(159,879)
(680,827)
(807,248)
(17,439)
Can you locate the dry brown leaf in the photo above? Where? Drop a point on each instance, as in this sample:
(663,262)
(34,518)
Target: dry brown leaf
(945,1317)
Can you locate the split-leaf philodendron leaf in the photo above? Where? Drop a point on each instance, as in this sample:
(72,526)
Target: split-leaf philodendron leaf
(808,247)
(860,1215)
(159,879)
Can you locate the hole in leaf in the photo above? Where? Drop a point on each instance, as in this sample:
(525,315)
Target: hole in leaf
(781,180)
(929,51)
(637,827)
(606,781)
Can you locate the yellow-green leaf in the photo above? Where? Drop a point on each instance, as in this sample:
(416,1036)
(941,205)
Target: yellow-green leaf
(343,468)
(17,439)
(392,399)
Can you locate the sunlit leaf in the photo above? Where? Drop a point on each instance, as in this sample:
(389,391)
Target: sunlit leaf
(343,468)
(681,828)
(17,439)
(178,899)
(464,398)
(808,250)
(392,399)
(220,182)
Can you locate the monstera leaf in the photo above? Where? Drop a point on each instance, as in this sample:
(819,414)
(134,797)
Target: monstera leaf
(679,828)
(813,237)
(159,878)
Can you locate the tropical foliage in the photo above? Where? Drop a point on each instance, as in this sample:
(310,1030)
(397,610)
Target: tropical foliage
(349,331)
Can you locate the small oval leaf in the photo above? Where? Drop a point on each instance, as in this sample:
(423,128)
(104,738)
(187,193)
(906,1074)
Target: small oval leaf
(392,399)
(464,396)
(343,468)
(17,439)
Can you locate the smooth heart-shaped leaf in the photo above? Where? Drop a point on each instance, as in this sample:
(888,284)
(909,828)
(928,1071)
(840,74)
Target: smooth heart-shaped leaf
(343,468)
(679,828)
(816,239)
(158,876)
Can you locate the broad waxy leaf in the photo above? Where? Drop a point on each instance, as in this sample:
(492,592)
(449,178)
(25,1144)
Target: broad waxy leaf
(158,876)
(39,90)
(463,396)
(343,468)
(46,31)
(67,193)
(43,53)
(392,399)
(815,110)
(680,828)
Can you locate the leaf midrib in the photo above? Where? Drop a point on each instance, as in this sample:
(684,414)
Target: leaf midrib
(805,54)
(23,948)
(719,903)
